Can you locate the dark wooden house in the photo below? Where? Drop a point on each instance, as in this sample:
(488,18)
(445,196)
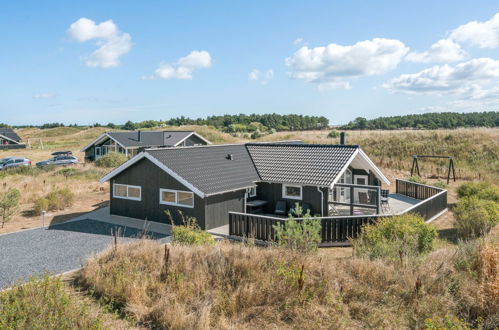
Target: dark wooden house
(130,143)
(9,139)
(206,182)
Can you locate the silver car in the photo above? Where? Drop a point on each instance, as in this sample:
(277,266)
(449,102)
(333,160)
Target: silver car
(11,162)
(59,160)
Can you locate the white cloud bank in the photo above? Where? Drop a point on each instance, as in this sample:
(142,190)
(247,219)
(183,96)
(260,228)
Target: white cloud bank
(111,42)
(465,79)
(262,77)
(184,67)
(333,66)
(444,50)
(481,34)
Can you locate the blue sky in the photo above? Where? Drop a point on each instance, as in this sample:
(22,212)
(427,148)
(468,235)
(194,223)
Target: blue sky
(66,61)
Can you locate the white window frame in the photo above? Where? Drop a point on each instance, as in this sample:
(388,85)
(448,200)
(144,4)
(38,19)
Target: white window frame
(127,186)
(161,190)
(252,192)
(98,154)
(284,195)
(362,176)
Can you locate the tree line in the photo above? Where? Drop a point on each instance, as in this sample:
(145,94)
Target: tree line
(427,121)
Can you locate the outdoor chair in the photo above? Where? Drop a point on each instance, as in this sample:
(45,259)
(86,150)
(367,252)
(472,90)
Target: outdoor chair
(280,208)
(385,206)
(363,198)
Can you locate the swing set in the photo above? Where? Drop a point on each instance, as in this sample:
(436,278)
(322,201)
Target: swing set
(415,165)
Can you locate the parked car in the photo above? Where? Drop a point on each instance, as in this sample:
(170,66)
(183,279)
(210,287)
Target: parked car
(11,162)
(59,160)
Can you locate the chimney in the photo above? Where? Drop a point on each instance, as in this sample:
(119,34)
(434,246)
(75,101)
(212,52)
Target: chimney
(138,135)
(230,157)
(342,138)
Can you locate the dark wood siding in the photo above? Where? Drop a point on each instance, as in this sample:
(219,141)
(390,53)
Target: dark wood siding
(151,178)
(90,154)
(272,192)
(218,207)
(192,141)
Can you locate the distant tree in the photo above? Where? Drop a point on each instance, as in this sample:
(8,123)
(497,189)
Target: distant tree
(111,125)
(8,205)
(129,125)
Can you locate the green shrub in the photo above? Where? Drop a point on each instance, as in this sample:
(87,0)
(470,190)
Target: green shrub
(43,303)
(303,235)
(41,204)
(333,134)
(440,184)
(75,173)
(112,159)
(189,233)
(395,237)
(475,217)
(59,199)
(416,179)
(481,190)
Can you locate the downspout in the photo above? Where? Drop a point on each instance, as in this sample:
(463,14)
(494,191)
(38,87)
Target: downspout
(322,200)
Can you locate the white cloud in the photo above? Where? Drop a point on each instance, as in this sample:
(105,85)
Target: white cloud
(263,77)
(465,79)
(481,34)
(40,96)
(298,41)
(184,67)
(334,65)
(111,42)
(444,50)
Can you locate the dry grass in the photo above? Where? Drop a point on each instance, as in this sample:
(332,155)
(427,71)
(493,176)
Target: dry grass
(229,286)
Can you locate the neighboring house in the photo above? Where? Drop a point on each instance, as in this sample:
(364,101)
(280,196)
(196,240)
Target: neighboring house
(9,139)
(207,182)
(132,142)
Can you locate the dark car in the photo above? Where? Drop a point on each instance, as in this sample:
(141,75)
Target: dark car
(11,162)
(59,160)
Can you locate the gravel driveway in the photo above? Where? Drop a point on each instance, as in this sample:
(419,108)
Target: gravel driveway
(58,248)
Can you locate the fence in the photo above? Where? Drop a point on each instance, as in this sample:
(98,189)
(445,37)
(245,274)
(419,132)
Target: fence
(337,230)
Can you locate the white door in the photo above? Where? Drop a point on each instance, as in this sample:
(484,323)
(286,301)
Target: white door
(342,193)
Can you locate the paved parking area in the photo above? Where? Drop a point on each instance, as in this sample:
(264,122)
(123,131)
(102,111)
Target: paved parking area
(58,248)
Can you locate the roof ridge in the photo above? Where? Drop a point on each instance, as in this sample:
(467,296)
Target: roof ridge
(304,145)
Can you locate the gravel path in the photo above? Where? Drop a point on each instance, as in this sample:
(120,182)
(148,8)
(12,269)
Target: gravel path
(57,249)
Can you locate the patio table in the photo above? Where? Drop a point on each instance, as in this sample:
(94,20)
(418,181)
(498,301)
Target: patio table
(255,206)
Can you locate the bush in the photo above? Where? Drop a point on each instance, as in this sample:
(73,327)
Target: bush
(43,303)
(416,179)
(440,184)
(395,237)
(333,134)
(8,205)
(481,190)
(189,233)
(112,159)
(475,217)
(56,200)
(303,235)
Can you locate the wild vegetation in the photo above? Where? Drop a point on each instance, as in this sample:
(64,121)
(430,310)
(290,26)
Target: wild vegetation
(112,159)
(189,233)
(235,286)
(44,303)
(427,121)
(8,205)
(58,199)
(477,210)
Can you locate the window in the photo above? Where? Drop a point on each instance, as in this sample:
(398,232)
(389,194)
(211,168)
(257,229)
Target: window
(176,198)
(291,192)
(361,180)
(127,192)
(97,151)
(252,192)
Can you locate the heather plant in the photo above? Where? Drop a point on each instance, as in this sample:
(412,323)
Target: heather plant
(111,159)
(475,217)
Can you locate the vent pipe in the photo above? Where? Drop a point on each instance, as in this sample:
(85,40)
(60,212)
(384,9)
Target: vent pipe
(230,157)
(138,136)
(342,138)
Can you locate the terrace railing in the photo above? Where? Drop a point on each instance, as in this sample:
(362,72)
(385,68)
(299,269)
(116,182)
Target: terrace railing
(337,230)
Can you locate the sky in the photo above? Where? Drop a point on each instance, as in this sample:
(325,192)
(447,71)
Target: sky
(111,61)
